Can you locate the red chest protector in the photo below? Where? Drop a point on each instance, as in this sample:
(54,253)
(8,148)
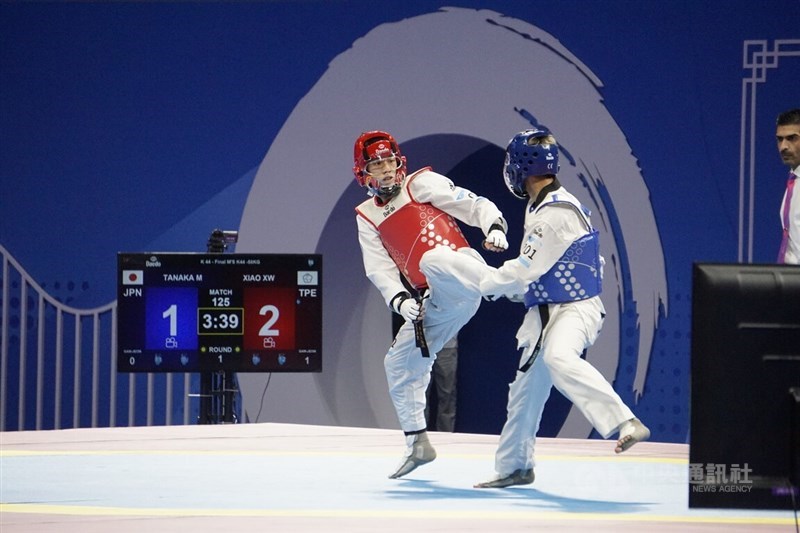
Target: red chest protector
(408,229)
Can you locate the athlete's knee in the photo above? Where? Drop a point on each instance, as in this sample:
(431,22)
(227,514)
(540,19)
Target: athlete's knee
(434,259)
(558,361)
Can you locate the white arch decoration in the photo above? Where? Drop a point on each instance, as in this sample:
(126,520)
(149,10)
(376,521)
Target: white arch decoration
(455,71)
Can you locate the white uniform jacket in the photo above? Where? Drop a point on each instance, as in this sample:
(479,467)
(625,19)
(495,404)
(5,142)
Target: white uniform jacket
(551,226)
(424,187)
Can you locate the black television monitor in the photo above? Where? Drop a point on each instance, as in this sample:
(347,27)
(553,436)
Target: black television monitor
(745,385)
(190,312)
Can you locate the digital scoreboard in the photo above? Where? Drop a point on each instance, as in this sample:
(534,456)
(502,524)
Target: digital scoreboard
(189,312)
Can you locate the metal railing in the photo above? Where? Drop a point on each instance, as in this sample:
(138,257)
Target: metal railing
(58,366)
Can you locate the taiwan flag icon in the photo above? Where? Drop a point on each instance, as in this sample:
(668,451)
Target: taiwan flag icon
(132,277)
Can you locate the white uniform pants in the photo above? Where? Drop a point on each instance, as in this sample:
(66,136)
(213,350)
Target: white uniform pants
(444,388)
(572,328)
(454,298)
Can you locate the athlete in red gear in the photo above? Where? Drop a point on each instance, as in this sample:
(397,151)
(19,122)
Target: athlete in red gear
(407,230)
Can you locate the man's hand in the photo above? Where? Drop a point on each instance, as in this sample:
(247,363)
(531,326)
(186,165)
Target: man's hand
(496,241)
(407,307)
(411,310)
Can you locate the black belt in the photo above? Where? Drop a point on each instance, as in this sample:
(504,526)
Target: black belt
(419,337)
(544,314)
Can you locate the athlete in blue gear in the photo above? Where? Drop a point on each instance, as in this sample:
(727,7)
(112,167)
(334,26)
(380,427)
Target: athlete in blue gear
(558,275)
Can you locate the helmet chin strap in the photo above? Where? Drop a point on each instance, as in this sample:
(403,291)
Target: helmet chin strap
(386,193)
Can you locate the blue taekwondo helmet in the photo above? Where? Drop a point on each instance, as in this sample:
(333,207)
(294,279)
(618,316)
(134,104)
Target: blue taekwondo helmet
(524,159)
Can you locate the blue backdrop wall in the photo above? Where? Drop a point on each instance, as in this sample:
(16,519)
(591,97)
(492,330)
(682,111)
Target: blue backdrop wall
(141,127)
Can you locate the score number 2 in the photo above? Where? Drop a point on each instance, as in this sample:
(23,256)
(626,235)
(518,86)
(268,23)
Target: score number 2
(271,311)
(273,314)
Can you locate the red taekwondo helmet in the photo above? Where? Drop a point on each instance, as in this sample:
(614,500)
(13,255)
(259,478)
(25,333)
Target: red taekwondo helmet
(372,146)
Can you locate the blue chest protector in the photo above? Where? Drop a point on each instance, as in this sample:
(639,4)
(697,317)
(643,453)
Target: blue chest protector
(575,276)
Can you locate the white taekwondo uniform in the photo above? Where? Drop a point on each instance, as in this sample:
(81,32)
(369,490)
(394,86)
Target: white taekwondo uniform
(406,235)
(555,226)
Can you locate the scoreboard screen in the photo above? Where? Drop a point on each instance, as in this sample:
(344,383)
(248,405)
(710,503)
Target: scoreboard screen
(189,312)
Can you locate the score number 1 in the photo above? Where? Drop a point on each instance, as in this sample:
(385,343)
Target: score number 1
(170,319)
(172,314)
